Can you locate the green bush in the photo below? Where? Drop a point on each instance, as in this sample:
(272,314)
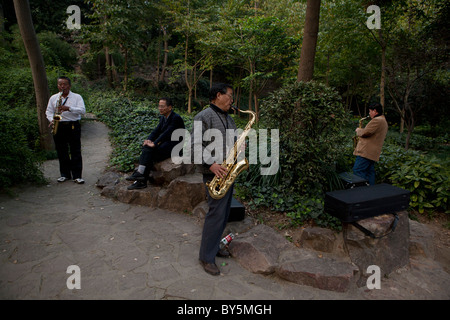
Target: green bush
(19,162)
(425,176)
(311,121)
(55,51)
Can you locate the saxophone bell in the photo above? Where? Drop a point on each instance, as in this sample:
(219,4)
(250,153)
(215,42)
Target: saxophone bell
(355,137)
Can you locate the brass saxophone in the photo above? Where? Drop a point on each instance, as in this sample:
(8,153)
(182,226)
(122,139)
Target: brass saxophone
(57,115)
(355,137)
(218,187)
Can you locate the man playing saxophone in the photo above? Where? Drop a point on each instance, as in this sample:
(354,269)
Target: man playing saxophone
(69,106)
(370,142)
(216,118)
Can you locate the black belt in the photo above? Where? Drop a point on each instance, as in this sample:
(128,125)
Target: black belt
(69,122)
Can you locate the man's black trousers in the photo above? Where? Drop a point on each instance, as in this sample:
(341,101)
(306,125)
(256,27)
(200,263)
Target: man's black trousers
(68,147)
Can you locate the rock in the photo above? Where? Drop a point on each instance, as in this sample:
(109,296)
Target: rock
(306,267)
(146,197)
(178,188)
(319,239)
(166,171)
(183,194)
(390,252)
(421,240)
(108,179)
(258,249)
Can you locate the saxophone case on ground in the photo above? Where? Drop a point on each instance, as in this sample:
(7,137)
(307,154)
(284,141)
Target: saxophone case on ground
(365,202)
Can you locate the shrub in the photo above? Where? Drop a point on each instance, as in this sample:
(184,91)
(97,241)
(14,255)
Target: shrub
(310,119)
(18,160)
(425,177)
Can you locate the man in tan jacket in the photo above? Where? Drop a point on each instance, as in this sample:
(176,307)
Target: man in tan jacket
(371,139)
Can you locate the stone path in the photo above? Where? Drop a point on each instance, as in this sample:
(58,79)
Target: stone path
(135,252)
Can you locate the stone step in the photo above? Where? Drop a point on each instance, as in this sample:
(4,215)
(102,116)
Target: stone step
(263,250)
(310,268)
(182,194)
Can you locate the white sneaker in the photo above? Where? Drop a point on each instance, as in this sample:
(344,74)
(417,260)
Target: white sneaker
(62,179)
(79,181)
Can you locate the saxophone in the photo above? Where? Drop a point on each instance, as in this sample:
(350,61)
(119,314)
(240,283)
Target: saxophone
(218,187)
(355,137)
(57,115)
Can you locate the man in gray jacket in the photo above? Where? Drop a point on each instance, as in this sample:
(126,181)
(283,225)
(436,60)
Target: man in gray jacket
(215,122)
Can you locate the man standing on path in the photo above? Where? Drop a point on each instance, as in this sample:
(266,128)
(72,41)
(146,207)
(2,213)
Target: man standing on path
(371,139)
(67,139)
(216,118)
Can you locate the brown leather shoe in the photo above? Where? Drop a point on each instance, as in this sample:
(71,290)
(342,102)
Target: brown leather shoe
(210,268)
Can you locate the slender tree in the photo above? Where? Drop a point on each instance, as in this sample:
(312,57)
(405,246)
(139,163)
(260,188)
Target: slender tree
(308,53)
(25,22)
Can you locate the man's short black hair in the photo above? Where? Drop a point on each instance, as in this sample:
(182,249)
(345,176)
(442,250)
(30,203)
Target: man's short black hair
(377,107)
(216,88)
(168,101)
(65,78)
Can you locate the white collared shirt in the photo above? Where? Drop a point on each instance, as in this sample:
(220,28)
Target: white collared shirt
(74,102)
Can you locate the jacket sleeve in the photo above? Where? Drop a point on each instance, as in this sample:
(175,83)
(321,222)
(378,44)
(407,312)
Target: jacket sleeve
(156,132)
(370,129)
(175,123)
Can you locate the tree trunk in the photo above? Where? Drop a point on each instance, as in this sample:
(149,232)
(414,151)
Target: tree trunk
(383,69)
(23,13)
(308,52)
(166,53)
(108,67)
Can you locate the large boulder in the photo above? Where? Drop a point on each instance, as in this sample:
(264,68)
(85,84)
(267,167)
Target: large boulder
(308,267)
(389,251)
(172,186)
(259,248)
(183,194)
(167,170)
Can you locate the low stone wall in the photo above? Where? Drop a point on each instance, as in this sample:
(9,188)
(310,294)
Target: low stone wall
(175,187)
(315,257)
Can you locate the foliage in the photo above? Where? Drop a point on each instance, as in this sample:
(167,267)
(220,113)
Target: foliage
(425,177)
(18,162)
(310,119)
(56,52)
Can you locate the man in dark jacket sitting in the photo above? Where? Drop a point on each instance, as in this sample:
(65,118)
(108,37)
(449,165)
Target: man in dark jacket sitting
(158,145)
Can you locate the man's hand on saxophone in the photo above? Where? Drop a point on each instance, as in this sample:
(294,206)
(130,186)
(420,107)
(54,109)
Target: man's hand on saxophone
(218,170)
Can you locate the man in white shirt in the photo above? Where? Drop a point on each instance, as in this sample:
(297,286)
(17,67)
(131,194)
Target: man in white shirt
(68,136)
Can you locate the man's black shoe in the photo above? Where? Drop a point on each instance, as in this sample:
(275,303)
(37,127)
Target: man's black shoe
(137,185)
(136,176)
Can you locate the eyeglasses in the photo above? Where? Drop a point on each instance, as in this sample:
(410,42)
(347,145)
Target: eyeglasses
(230,95)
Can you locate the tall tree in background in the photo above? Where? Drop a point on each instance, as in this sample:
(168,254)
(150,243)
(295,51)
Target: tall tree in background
(306,67)
(23,13)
